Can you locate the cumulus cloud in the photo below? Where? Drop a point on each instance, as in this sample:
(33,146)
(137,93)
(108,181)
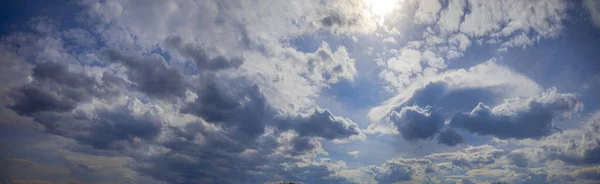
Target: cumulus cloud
(428,11)
(151,75)
(456,90)
(415,123)
(576,147)
(519,118)
(477,156)
(227,92)
(139,103)
(240,108)
(199,56)
(320,123)
(487,17)
(399,170)
(327,65)
(55,88)
(450,17)
(105,128)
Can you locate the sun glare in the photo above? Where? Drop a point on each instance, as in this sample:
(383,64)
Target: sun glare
(380,8)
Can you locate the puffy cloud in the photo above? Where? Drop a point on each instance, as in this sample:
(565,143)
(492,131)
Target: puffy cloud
(13,71)
(415,123)
(182,128)
(506,17)
(399,170)
(55,88)
(519,118)
(105,129)
(151,75)
(477,156)
(428,11)
(450,17)
(576,147)
(199,56)
(456,90)
(408,62)
(219,92)
(329,66)
(239,107)
(461,41)
(320,123)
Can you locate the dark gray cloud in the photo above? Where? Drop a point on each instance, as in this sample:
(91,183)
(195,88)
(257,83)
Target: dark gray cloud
(450,137)
(222,158)
(243,110)
(519,118)
(199,56)
(151,74)
(30,100)
(332,20)
(195,153)
(199,155)
(441,94)
(55,88)
(239,107)
(232,146)
(301,145)
(103,129)
(320,123)
(415,123)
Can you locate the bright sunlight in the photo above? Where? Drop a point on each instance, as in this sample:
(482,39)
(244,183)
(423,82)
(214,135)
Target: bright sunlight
(380,8)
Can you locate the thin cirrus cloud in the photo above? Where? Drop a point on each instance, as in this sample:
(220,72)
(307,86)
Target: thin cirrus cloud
(207,91)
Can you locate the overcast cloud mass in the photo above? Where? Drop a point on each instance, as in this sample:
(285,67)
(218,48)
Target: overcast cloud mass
(308,91)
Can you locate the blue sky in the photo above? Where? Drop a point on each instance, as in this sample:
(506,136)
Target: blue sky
(310,91)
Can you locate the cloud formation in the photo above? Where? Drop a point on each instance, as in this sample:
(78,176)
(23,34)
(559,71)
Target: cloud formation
(57,89)
(519,118)
(415,123)
(457,90)
(209,91)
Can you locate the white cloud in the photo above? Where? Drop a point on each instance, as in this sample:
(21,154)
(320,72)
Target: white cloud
(408,62)
(427,12)
(461,41)
(354,153)
(503,18)
(450,17)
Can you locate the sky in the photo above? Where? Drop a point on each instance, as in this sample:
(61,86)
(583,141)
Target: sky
(308,91)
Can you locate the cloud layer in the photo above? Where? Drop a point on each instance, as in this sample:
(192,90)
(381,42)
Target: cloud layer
(309,91)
